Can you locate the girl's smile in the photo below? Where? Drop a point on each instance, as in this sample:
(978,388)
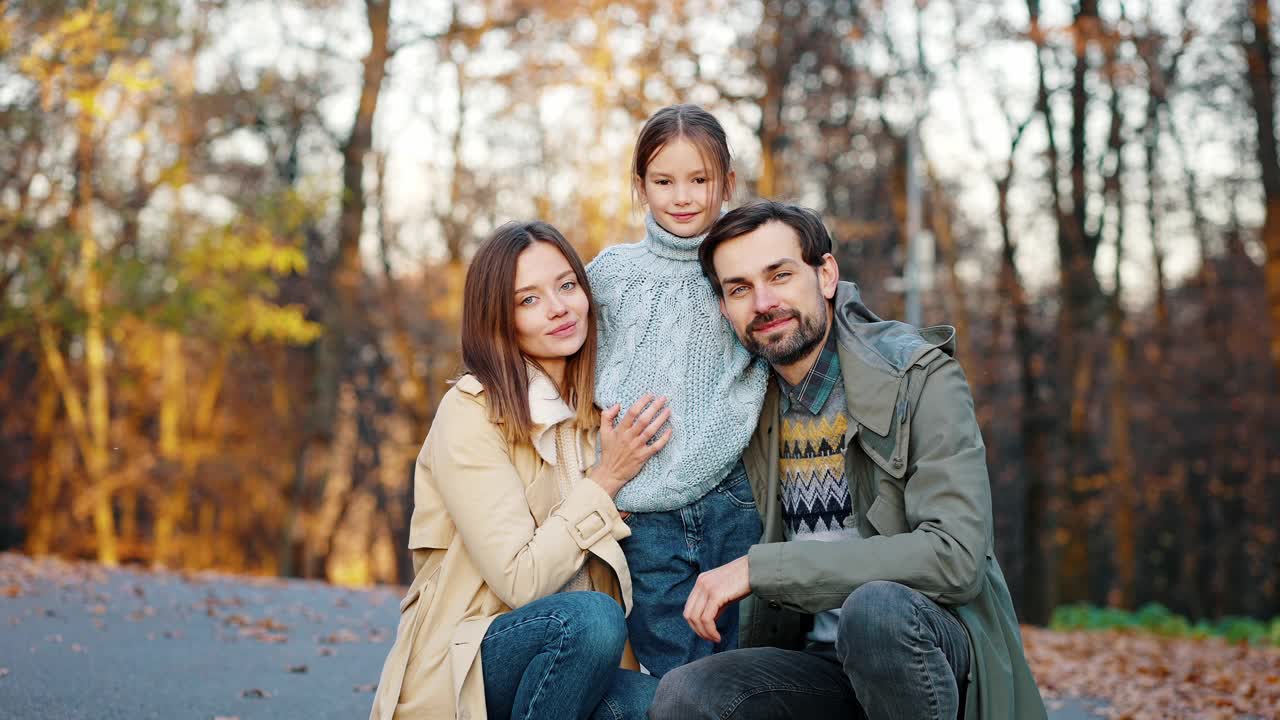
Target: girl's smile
(680,191)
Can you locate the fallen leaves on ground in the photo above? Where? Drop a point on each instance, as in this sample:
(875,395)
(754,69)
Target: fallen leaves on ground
(343,635)
(1148,677)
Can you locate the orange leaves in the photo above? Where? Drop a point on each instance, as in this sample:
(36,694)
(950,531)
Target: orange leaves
(1146,677)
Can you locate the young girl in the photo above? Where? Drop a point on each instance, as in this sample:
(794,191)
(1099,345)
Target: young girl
(516,608)
(662,332)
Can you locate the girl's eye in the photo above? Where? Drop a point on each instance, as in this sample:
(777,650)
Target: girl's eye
(700,181)
(528,300)
(569,285)
(661,182)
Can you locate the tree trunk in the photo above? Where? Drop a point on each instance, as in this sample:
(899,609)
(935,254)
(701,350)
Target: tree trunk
(343,280)
(1036,600)
(1121,487)
(1079,297)
(97,410)
(46,478)
(774,60)
(1262,84)
(953,293)
(172,506)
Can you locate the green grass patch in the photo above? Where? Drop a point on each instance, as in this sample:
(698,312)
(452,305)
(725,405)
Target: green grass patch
(1159,620)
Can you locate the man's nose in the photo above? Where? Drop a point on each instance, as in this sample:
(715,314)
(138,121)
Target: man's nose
(765,300)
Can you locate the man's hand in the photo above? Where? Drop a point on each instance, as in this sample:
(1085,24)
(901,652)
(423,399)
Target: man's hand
(713,590)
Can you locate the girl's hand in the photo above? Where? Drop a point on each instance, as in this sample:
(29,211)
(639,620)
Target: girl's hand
(625,448)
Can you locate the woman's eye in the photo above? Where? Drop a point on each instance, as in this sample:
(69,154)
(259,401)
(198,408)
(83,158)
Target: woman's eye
(569,286)
(661,182)
(700,180)
(528,300)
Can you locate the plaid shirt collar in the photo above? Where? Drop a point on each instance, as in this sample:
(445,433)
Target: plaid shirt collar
(813,391)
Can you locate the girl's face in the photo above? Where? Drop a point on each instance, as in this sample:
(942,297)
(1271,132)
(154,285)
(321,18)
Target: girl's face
(680,191)
(552,310)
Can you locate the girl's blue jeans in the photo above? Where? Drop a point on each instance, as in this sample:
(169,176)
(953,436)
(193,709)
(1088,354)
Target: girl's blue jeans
(667,551)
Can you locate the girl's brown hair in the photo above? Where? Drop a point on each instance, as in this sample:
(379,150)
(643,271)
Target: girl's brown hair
(490,349)
(695,125)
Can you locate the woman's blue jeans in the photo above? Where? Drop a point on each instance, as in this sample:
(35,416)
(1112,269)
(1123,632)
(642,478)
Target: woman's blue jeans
(557,658)
(667,551)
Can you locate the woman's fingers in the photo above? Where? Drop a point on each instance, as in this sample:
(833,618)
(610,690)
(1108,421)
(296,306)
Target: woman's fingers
(646,416)
(657,445)
(655,424)
(636,409)
(608,416)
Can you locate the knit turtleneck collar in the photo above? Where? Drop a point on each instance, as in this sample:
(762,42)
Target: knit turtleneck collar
(667,245)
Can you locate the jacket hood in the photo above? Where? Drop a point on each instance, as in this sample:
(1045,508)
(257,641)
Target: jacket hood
(875,354)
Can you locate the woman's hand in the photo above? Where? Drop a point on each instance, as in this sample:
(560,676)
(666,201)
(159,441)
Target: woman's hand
(625,448)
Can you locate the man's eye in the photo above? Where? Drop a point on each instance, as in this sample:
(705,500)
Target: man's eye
(738,290)
(782,276)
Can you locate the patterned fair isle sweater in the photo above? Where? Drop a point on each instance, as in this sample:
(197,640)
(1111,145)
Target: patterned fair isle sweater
(815,492)
(661,332)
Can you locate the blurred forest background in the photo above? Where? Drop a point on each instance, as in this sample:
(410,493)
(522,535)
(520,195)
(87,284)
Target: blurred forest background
(233,234)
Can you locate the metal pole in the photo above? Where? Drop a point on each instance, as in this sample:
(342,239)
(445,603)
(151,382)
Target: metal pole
(911,266)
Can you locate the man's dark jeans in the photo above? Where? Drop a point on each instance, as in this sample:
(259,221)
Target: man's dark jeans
(898,655)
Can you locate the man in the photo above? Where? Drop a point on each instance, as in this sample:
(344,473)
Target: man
(875,591)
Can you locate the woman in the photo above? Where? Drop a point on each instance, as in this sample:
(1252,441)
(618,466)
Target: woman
(516,607)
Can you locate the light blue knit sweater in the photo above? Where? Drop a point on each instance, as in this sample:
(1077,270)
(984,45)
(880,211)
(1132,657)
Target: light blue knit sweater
(661,332)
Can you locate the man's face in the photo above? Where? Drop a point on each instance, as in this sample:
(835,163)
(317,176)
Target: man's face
(775,302)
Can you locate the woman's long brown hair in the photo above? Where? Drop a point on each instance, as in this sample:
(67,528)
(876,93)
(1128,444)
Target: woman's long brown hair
(490,350)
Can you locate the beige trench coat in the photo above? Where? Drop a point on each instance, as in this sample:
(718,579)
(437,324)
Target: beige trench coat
(489,533)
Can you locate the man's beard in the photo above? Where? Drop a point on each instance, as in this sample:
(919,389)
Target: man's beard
(792,348)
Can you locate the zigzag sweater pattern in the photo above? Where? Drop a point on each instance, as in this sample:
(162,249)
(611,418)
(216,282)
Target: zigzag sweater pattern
(661,332)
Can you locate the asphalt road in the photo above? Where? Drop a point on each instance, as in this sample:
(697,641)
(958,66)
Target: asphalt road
(79,642)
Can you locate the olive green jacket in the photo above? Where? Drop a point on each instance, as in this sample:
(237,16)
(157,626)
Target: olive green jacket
(917,473)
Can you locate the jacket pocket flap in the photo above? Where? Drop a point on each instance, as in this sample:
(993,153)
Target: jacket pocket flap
(887,515)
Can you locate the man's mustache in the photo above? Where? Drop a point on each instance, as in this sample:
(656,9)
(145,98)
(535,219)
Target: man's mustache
(770,317)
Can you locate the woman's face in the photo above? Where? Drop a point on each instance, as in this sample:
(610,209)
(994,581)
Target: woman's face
(551,307)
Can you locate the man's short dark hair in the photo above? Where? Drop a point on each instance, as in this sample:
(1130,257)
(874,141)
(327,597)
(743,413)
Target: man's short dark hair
(814,240)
